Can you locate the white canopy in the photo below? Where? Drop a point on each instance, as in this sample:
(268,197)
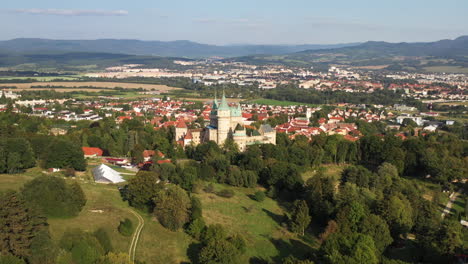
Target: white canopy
(105,174)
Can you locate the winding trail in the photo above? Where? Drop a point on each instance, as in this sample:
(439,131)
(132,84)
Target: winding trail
(136,236)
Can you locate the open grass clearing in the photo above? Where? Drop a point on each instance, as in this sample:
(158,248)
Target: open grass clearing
(330,170)
(260,223)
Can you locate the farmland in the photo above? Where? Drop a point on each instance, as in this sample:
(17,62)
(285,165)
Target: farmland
(74,86)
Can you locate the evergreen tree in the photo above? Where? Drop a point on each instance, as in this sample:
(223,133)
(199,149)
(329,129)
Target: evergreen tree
(19,225)
(300,218)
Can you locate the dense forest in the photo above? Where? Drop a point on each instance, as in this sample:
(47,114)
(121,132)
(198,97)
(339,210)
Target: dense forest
(363,215)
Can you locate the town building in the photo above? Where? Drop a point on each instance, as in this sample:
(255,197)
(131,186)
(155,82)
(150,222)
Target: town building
(225,122)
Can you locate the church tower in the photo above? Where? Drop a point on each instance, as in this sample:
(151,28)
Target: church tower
(224,120)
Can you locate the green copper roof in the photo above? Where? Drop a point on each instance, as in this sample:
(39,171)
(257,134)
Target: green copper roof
(224,105)
(215,102)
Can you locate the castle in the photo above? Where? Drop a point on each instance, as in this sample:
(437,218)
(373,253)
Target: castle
(225,122)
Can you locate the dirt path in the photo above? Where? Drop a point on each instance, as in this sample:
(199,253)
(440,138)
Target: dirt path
(449,205)
(136,236)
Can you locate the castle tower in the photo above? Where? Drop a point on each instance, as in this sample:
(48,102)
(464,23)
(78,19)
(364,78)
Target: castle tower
(214,113)
(224,120)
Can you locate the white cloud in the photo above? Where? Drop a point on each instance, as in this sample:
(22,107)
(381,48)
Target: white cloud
(71,12)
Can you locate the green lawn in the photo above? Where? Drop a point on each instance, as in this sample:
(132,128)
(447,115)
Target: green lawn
(277,102)
(260,223)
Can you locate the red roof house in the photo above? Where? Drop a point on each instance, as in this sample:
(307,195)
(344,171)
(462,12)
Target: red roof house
(92,152)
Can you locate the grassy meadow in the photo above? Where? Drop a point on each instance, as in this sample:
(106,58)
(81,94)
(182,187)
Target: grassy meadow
(262,224)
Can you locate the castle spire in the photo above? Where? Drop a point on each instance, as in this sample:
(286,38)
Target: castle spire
(224,105)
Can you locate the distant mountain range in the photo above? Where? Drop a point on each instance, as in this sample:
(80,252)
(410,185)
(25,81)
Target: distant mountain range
(405,56)
(438,56)
(180,48)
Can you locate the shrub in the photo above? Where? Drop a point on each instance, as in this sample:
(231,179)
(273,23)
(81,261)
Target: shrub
(209,188)
(196,228)
(259,196)
(196,210)
(226,193)
(103,237)
(69,172)
(197,187)
(126,227)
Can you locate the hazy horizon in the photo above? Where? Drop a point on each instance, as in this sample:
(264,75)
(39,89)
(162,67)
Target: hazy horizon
(261,22)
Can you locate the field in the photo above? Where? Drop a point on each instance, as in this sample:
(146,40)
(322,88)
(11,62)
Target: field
(277,102)
(43,79)
(27,86)
(446,69)
(260,223)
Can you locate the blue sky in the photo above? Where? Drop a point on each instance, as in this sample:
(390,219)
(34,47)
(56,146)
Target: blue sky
(240,21)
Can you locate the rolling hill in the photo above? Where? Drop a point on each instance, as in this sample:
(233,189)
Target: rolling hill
(179,48)
(405,56)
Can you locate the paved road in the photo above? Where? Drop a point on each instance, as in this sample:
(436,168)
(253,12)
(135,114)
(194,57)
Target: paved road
(136,236)
(449,205)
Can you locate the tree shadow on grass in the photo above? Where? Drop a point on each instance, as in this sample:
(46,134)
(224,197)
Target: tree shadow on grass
(292,247)
(276,217)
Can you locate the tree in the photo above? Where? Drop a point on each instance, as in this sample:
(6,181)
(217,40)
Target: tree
(375,227)
(64,154)
(450,237)
(16,155)
(221,252)
(300,218)
(141,190)
(10,259)
(172,207)
(397,211)
(83,246)
(43,249)
(351,249)
(19,225)
(54,197)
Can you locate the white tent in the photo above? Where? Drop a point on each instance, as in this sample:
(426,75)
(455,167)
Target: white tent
(105,174)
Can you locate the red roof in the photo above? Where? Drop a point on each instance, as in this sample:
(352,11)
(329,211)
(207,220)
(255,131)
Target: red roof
(148,153)
(181,124)
(189,135)
(88,151)
(164,161)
